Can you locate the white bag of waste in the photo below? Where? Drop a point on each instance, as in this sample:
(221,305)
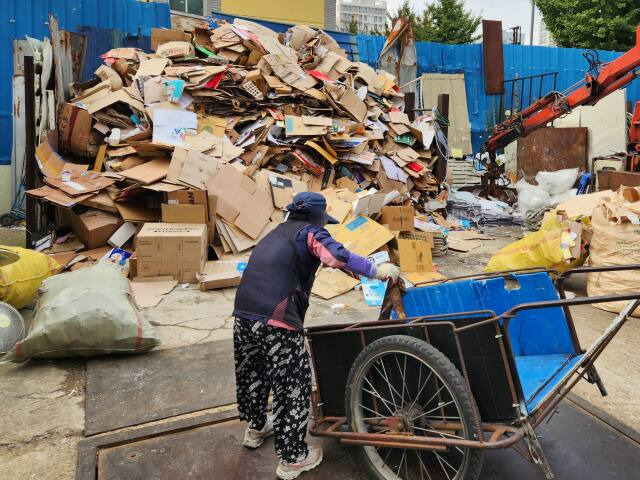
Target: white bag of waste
(84,313)
(557,182)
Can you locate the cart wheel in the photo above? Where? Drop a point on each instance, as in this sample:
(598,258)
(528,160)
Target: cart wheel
(6,220)
(400,384)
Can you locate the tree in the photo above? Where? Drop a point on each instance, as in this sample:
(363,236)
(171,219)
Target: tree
(445,21)
(601,24)
(451,22)
(353,26)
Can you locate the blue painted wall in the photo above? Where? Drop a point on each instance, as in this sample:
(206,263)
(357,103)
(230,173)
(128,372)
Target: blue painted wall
(519,61)
(31,17)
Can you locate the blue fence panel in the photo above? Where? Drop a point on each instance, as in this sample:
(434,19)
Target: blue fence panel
(519,61)
(101,40)
(19,18)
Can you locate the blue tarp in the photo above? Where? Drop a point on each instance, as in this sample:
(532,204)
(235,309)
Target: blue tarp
(31,17)
(519,61)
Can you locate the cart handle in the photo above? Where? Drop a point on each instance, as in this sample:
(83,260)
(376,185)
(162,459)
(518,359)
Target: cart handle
(569,302)
(611,268)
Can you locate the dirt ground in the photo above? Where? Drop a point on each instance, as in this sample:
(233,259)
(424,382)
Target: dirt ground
(42,414)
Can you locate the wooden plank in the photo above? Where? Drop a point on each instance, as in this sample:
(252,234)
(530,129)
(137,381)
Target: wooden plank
(551,149)
(492,56)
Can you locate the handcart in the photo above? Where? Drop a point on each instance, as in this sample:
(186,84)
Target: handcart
(462,366)
(18,212)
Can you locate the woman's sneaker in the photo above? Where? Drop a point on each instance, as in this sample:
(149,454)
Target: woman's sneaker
(289,471)
(255,438)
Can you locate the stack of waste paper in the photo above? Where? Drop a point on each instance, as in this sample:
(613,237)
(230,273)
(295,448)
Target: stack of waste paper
(204,141)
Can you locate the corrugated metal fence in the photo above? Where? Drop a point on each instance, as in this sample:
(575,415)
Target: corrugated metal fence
(519,61)
(19,18)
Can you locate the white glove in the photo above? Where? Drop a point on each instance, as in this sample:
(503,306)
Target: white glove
(388,271)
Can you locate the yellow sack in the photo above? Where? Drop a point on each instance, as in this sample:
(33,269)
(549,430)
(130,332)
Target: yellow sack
(19,281)
(538,249)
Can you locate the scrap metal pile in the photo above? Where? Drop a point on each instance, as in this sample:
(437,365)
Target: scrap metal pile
(234,121)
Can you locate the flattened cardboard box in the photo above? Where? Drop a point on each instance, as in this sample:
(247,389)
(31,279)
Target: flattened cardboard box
(415,255)
(220,274)
(361,235)
(399,219)
(330,283)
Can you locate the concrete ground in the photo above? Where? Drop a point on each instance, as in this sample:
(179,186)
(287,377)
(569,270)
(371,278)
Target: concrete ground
(42,414)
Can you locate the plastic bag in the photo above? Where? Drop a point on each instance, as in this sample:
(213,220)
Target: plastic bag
(84,313)
(557,182)
(539,249)
(19,281)
(531,197)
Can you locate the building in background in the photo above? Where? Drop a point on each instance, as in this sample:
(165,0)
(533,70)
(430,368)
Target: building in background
(545,37)
(315,13)
(370,15)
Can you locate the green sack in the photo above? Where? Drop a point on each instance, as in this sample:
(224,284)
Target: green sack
(84,313)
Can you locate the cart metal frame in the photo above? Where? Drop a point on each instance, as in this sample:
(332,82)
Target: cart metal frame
(490,435)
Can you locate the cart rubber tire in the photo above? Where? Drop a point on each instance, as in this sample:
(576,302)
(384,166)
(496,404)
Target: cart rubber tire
(447,372)
(7,220)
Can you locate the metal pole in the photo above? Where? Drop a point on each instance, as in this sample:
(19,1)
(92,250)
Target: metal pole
(440,168)
(30,146)
(533,15)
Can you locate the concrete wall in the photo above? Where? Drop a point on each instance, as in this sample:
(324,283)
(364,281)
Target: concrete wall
(6,187)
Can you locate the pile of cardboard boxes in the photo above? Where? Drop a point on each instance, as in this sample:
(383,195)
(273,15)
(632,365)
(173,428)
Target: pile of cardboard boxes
(204,142)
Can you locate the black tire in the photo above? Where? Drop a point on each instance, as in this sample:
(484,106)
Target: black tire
(369,366)
(7,220)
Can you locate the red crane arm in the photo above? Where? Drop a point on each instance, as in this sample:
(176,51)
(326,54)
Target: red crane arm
(614,75)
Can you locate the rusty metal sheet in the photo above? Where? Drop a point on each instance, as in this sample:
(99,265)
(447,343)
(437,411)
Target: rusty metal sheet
(612,180)
(215,452)
(492,56)
(550,149)
(134,389)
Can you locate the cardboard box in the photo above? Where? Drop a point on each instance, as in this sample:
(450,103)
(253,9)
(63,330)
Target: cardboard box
(174,213)
(193,198)
(175,49)
(361,235)
(164,35)
(221,274)
(415,255)
(399,219)
(93,228)
(74,129)
(177,249)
